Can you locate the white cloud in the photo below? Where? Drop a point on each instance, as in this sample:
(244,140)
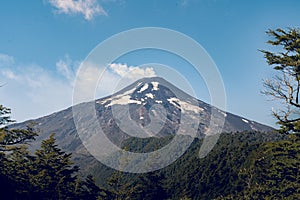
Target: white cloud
(94,79)
(10,75)
(88,8)
(131,72)
(67,67)
(31,91)
(6,60)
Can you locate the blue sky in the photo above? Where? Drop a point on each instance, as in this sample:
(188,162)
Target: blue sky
(43,43)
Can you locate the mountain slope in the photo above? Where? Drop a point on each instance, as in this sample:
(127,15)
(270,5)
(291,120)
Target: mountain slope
(145,101)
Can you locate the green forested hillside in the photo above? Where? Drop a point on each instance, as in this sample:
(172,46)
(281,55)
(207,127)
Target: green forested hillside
(223,172)
(241,165)
(272,171)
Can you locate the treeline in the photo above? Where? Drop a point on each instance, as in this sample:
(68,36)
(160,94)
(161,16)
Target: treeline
(246,165)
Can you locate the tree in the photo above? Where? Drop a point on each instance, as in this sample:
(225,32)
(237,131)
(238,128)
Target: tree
(54,176)
(18,167)
(117,190)
(272,172)
(49,174)
(10,138)
(285,86)
(149,186)
(10,144)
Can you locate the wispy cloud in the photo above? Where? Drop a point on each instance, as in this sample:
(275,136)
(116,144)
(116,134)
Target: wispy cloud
(88,8)
(6,60)
(67,67)
(31,91)
(131,72)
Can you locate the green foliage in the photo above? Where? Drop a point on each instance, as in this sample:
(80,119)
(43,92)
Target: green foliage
(273,171)
(148,186)
(116,187)
(5,116)
(11,138)
(285,86)
(89,190)
(289,41)
(53,175)
(10,144)
(18,168)
(190,177)
(49,174)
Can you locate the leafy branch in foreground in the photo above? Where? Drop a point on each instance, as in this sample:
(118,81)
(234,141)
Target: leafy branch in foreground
(285,86)
(11,138)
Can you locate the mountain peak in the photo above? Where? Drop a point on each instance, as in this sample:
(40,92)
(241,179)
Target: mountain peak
(150,107)
(150,91)
(143,101)
(144,82)
(156,86)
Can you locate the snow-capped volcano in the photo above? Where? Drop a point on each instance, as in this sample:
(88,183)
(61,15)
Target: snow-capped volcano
(149,99)
(145,101)
(150,107)
(149,91)
(141,103)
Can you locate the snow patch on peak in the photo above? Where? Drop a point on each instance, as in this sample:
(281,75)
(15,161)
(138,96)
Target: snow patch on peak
(184,106)
(155,85)
(121,99)
(150,95)
(223,113)
(246,121)
(143,88)
(158,101)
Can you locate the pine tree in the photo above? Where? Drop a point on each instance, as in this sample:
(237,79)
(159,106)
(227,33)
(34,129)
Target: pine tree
(149,186)
(18,167)
(285,86)
(49,174)
(89,190)
(115,186)
(10,140)
(54,176)
(273,172)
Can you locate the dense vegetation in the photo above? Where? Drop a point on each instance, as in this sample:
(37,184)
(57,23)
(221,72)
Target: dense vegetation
(285,85)
(48,174)
(240,166)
